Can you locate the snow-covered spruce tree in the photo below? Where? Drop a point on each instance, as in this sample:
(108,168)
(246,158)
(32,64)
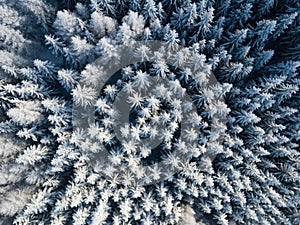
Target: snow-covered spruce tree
(251,46)
(24,134)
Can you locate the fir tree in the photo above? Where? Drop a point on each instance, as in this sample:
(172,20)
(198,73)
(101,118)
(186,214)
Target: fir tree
(234,146)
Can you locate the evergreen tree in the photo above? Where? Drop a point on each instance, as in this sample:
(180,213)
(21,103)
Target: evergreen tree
(233,144)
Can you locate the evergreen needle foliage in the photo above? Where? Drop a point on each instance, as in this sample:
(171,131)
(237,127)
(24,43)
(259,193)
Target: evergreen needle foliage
(48,51)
